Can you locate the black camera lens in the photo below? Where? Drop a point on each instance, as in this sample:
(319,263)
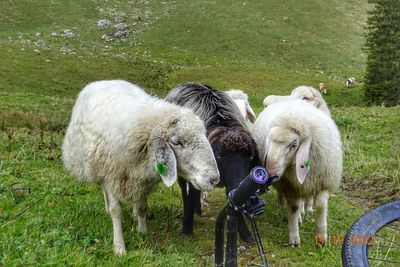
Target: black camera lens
(249,186)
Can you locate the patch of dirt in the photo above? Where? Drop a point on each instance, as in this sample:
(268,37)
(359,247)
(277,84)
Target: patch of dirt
(372,190)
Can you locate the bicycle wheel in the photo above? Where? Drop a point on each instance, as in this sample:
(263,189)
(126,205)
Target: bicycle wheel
(374,238)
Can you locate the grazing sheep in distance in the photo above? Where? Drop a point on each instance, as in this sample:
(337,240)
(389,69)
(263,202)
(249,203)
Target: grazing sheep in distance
(306,93)
(322,88)
(233,146)
(302,145)
(128,141)
(350,82)
(241,99)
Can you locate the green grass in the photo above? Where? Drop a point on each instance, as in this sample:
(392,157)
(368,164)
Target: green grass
(48,218)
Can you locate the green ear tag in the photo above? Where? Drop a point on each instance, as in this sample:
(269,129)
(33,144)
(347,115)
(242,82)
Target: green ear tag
(250,118)
(308,163)
(162,169)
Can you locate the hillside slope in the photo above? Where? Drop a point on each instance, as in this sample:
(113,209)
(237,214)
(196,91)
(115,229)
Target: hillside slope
(268,46)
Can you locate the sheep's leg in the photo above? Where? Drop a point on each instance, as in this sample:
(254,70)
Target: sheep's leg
(106,201)
(115,212)
(302,211)
(192,200)
(309,205)
(321,210)
(187,228)
(134,213)
(184,190)
(141,211)
(293,222)
(282,200)
(197,206)
(301,206)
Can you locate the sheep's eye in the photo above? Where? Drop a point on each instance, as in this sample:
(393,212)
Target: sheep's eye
(175,141)
(306,98)
(293,146)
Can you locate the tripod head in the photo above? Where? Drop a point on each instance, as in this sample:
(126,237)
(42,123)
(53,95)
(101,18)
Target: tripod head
(245,197)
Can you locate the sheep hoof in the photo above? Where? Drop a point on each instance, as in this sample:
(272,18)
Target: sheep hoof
(294,241)
(321,239)
(197,211)
(187,233)
(119,250)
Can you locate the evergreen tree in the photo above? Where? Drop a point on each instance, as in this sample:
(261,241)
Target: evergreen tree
(382,83)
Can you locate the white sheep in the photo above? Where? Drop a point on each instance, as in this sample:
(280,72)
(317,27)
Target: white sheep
(241,99)
(128,141)
(302,145)
(350,82)
(315,98)
(306,93)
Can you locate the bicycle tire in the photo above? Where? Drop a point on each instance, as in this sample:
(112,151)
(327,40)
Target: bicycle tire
(354,255)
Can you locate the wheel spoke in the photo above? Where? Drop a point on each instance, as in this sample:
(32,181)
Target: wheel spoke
(391,241)
(395,228)
(385,260)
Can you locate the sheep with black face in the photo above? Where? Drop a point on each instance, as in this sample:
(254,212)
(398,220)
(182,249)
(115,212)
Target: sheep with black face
(233,146)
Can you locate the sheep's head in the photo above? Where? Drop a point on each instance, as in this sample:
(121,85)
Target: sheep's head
(236,154)
(308,94)
(184,150)
(283,147)
(245,109)
(242,102)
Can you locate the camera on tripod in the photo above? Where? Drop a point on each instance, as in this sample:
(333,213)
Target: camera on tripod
(243,199)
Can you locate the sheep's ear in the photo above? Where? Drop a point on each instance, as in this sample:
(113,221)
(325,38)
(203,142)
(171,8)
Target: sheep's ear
(250,113)
(165,163)
(302,160)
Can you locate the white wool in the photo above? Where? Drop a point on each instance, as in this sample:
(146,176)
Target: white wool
(274,129)
(307,93)
(241,100)
(118,134)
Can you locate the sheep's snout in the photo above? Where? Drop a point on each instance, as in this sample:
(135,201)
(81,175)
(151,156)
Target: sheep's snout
(274,168)
(204,171)
(214,180)
(205,182)
(211,175)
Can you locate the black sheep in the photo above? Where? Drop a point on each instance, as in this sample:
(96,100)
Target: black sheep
(234,148)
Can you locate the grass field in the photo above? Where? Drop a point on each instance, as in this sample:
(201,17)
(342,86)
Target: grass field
(48,218)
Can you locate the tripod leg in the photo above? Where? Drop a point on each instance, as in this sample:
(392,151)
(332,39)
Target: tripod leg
(219,237)
(260,247)
(231,240)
